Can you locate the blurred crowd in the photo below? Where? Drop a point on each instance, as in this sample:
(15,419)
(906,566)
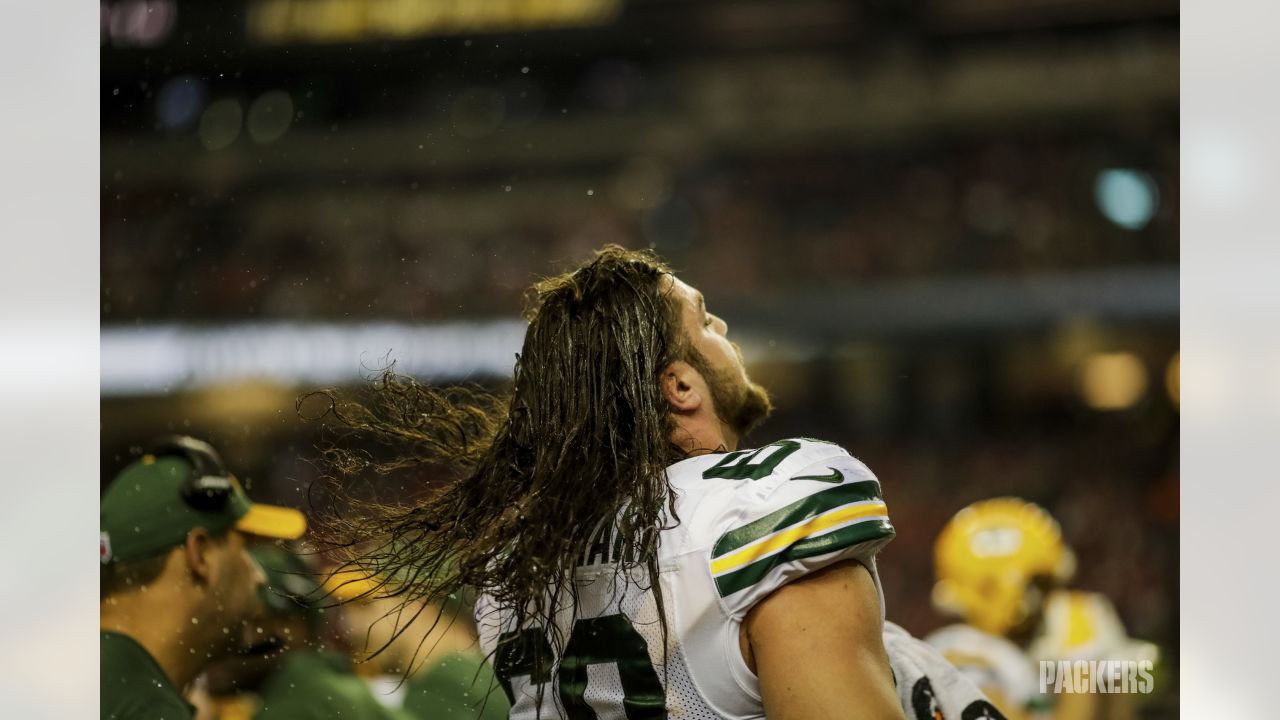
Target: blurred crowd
(1008,208)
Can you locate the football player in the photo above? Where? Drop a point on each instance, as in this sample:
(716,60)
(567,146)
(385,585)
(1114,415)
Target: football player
(634,558)
(1002,568)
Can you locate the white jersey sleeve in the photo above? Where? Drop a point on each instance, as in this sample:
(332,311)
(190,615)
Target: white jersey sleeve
(799,506)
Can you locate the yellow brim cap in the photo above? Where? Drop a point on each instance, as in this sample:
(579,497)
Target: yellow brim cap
(347,585)
(273,521)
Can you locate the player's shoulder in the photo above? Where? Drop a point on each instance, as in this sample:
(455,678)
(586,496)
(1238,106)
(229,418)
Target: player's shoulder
(1079,625)
(745,485)
(1080,605)
(764,516)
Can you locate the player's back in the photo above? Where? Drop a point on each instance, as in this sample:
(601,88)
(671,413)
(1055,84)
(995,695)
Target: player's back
(744,524)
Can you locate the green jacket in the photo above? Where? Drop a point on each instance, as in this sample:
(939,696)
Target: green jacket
(456,688)
(311,685)
(132,685)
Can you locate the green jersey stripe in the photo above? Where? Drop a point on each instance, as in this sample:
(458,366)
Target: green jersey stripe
(798,511)
(860,532)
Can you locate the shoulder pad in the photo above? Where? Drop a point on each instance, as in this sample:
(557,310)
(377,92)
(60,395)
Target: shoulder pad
(800,505)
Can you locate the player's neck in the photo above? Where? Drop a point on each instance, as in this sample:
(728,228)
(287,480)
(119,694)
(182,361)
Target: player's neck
(701,433)
(150,620)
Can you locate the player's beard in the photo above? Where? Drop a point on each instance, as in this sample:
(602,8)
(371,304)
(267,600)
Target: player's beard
(740,404)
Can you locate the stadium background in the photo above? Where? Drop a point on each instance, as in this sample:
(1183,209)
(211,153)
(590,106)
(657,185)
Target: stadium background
(945,233)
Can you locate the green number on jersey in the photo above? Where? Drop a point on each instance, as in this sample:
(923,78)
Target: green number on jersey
(594,641)
(522,653)
(610,639)
(752,464)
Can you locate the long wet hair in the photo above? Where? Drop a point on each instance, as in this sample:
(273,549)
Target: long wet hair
(582,437)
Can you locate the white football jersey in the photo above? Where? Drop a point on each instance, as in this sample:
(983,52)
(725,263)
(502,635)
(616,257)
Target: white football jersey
(747,522)
(1000,668)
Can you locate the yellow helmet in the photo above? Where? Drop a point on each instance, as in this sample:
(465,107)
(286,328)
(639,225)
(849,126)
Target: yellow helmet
(986,557)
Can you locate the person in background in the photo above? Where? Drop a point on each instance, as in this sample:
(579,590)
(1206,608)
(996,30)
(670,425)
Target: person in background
(177,581)
(292,673)
(1002,568)
(433,669)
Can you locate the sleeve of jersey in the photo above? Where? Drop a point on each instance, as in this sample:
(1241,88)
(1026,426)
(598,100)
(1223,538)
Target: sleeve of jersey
(785,526)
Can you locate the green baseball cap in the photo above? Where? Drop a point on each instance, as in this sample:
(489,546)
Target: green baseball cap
(178,486)
(291,585)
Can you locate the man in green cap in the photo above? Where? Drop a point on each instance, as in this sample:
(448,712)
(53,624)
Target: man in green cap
(178,584)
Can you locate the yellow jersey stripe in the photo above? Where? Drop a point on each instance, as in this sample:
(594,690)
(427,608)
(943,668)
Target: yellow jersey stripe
(785,538)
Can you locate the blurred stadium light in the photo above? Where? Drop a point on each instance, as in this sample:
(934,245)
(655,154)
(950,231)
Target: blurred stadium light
(138,23)
(1112,381)
(334,21)
(166,358)
(1129,198)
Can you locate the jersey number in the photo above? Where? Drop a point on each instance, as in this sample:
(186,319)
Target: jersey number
(751,464)
(594,641)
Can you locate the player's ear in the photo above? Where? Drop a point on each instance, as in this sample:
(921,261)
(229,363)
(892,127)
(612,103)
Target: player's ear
(199,552)
(681,387)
